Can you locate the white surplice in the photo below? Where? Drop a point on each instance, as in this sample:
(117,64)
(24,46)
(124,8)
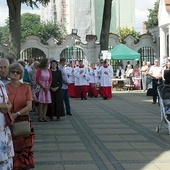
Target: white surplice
(106,75)
(81,79)
(70,74)
(93,76)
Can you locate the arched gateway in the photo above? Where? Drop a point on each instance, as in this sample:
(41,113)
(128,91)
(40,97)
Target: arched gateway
(73,49)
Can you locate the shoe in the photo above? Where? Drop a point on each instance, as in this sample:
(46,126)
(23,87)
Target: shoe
(85,98)
(68,113)
(41,120)
(153,102)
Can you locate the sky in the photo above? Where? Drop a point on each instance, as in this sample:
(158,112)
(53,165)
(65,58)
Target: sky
(141,12)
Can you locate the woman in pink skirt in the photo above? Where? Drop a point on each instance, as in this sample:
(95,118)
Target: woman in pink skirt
(44,80)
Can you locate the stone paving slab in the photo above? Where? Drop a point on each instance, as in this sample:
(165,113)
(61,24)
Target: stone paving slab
(104,134)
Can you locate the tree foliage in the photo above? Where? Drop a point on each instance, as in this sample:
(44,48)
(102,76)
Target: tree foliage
(4,34)
(49,29)
(153,16)
(28,23)
(31,25)
(14,7)
(123,32)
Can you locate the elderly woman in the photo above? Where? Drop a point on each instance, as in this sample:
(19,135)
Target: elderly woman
(6,145)
(20,96)
(144,75)
(129,75)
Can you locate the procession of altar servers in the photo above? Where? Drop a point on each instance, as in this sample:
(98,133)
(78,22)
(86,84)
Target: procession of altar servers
(90,81)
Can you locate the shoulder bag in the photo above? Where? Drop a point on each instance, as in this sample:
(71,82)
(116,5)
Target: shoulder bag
(20,128)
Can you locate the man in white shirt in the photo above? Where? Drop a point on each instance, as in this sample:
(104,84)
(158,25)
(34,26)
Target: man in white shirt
(70,73)
(156,73)
(65,83)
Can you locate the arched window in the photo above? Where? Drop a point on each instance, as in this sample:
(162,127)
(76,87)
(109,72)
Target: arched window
(36,53)
(72,54)
(147,54)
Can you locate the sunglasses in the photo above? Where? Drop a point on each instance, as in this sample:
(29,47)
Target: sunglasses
(15,72)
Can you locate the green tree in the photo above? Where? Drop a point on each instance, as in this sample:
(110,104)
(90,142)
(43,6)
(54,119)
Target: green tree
(47,30)
(153,16)
(29,22)
(104,36)
(31,25)
(4,32)
(123,32)
(14,7)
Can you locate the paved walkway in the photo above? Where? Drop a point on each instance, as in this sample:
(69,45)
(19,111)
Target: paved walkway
(104,134)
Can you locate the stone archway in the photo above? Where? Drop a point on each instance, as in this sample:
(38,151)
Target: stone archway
(33,43)
(36,53)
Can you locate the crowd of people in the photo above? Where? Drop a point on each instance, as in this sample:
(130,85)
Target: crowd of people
(45,86)
(16,152)
(151,76)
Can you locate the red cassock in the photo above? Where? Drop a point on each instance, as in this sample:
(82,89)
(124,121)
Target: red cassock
(92,91)
(71,90)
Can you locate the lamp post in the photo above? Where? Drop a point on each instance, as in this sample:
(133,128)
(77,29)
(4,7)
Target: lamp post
(74,31)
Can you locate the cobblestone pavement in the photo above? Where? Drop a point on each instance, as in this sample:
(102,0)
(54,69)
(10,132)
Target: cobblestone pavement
(104,134)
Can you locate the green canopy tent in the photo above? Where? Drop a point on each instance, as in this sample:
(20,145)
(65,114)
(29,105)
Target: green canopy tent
(122,52)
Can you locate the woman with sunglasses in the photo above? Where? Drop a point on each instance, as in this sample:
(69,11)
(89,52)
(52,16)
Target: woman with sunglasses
(20,96)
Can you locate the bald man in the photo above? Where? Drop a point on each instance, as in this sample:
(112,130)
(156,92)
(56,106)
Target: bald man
(4,64)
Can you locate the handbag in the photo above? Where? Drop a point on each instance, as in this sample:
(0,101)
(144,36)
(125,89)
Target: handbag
(20,128)
(7,115)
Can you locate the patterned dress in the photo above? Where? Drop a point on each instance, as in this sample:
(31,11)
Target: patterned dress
(6,145)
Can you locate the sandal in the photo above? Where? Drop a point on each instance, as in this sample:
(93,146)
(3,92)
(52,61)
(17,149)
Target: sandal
(40,120)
